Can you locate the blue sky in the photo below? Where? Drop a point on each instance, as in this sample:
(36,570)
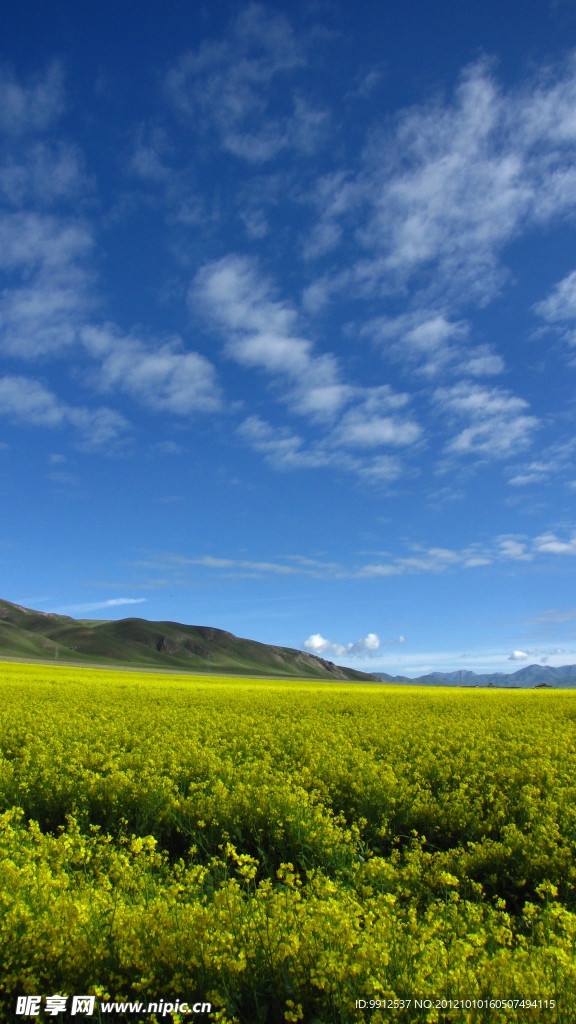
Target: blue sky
(288,322)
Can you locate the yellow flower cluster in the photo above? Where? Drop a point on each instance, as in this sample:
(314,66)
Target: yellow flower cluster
(288,851)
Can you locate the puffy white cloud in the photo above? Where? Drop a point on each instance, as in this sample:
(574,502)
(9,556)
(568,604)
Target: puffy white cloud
(365,648)
(518,656)
(317,644)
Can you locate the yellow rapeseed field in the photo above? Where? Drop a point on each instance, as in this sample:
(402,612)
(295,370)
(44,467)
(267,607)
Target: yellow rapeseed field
(288,851)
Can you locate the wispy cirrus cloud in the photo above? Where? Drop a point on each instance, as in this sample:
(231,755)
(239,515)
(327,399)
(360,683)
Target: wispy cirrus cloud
(452,181)
(558,309)
(33,105)
(433,344)
(419,559)
(159,373)
(232,89)
(92,606)
(499,424)
(282,448)
(261,332)
(555,460)
(43,174)
(27,401)
(285,450)
(51,294)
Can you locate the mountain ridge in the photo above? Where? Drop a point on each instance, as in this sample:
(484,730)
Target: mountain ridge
(529,675)
(140,643)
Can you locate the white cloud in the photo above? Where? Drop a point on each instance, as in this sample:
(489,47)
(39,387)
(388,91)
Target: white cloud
(261,331)
(438,559)
(285,450)
(28,401)
(43,174)
(291,565)
(555,460)
(318,645)
(42,313)
(365,426)
(432,344)
(559,308)
(481,362)
(365,648)
(162,376)
(550,544)
(426,338)
(561,303)
(235,87)
(114,602)
(514,549)
(535,473)
(499,424)
(32,241)
(33,106)
(555,615)
(379,469)
(460,179)
(441,191)
(427,560)
(282,448)
(422,559)
(518,656)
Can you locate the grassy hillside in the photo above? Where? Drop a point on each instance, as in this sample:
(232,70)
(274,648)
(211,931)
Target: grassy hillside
(28,634)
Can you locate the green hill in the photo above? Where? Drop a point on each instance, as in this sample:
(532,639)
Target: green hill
(32,635)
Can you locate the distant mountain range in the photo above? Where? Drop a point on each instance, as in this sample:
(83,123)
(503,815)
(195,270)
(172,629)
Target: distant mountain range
(530,675)
(39,636)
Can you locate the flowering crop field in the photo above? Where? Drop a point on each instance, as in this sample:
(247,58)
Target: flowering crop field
(288,851)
